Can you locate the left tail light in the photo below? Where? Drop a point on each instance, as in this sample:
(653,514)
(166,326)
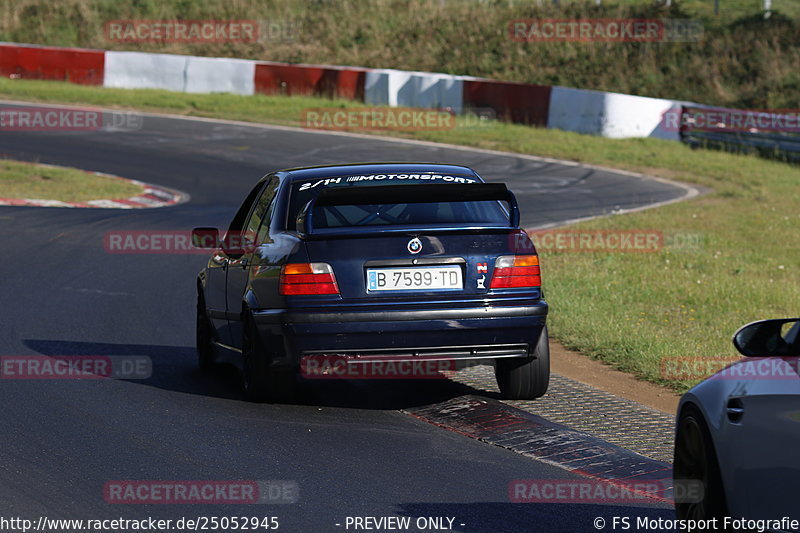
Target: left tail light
(307,278)
(516,271)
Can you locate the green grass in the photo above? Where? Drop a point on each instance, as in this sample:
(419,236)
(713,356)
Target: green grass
(740,261)
(742,60)
(46,182)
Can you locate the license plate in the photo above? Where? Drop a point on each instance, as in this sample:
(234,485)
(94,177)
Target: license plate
(414,279)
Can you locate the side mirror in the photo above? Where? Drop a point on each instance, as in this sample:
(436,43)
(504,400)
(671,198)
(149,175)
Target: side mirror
(205,237)
(769,338)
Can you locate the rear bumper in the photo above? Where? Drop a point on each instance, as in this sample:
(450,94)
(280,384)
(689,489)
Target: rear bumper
(444,332)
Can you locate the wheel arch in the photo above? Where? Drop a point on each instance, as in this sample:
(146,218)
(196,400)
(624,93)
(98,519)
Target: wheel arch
(709,415)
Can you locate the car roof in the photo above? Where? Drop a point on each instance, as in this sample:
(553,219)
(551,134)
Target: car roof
(326,171)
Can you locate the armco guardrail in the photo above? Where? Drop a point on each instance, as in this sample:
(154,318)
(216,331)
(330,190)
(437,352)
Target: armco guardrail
(772,134)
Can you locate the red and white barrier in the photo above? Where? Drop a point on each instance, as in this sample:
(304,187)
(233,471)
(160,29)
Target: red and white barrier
(399,88)
(32,62)
(517,102)
(220,75)
(591,112)
(137,70)
(310,80)
(611,115)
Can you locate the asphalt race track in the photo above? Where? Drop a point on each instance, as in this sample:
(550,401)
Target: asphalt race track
(347,446)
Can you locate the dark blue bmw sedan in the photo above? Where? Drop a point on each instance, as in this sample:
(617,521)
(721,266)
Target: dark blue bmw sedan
(384,262)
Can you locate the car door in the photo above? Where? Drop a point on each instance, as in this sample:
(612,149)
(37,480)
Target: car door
(763,419)
(217,270)
(214,293)
(240,262)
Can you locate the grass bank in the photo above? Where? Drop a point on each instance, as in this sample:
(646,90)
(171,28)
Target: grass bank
(47,182)
(742,59)
(632,310)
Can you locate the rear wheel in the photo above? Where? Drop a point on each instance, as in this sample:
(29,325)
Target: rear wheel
(205,347)
(262,383)
(525,379)
(696,461)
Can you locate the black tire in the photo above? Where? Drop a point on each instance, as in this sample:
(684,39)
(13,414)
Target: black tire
(205,348)
(696,460)
(262,383)
(525,379)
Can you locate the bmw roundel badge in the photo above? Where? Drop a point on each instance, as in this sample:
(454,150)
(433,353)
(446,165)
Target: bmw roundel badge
(414,246)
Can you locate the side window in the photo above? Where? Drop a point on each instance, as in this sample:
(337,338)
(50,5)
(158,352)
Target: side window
(238,220)
(261,212)
(235,242)
(271,193)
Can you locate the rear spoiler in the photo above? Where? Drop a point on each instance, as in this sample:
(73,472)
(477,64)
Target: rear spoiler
(402,194)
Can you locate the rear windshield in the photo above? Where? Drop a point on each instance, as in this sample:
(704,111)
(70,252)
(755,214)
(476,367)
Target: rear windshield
(489,213)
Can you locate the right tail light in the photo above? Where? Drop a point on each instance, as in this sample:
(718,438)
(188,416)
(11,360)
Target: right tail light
(516,271)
